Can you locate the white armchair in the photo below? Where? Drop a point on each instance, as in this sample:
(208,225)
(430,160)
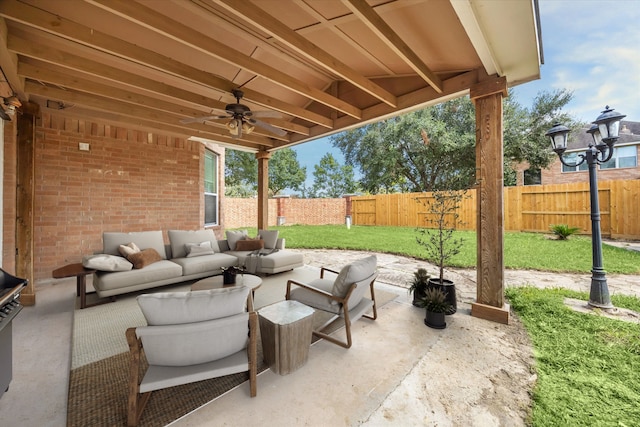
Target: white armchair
(191,336)
(342,295)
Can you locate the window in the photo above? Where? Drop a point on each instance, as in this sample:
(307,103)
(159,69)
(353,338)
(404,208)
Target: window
(623,157)
(532,177)
(573,158)
(210,188)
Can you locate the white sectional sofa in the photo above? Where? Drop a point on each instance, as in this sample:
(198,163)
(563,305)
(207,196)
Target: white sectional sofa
(189,255)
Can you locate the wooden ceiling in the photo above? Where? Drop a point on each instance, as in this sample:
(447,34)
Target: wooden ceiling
(323,65)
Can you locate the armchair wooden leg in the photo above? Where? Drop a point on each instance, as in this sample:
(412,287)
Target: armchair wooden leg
(253,353)
(137,401)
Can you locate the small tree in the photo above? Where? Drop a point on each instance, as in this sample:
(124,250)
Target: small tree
(439,241)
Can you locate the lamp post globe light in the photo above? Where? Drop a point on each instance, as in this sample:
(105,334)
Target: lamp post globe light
(604,131)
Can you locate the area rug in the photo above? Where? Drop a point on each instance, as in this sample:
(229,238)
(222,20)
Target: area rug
(100,361)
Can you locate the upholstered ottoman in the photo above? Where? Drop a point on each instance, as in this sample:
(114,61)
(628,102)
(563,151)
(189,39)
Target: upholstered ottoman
(277,262)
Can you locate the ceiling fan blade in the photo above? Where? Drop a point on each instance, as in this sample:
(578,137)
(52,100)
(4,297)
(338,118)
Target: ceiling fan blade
(268,114)
(268,127)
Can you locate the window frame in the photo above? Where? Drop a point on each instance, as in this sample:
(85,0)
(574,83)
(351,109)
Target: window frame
(214,180)
(616,158)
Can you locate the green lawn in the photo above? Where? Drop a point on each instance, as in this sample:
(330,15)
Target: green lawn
(530,251)
(588,366)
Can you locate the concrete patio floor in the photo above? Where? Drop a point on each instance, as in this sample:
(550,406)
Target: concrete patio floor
(399,372)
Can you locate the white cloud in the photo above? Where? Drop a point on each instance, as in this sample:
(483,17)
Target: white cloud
(593,48)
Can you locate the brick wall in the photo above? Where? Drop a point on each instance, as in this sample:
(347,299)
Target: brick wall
(128,181)
(243,212)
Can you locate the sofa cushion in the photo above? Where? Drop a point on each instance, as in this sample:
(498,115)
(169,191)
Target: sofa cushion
(234,235)
(249,244)
(142,239)
(205,264)
(126,250)
(144,258)
(157,272)
(175,308)
(199,249)
(352,273)
(106,262)
(178,240)
(270,238)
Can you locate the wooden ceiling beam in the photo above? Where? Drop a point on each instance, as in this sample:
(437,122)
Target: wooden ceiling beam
(124,108)
(304,47)
(60,78)
(9,64)
(48,23)
(379,27)
(181,33)
(81,113)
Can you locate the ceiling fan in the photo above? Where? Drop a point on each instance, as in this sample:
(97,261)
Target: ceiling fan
(241,119)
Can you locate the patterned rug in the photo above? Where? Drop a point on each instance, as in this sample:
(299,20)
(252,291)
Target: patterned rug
(99,377)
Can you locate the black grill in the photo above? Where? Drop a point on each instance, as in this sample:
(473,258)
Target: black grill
(10,288)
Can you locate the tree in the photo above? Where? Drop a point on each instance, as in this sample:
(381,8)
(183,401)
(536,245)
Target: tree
(416,151)
(285,171)
(241,172)
(332,179)
(434,148)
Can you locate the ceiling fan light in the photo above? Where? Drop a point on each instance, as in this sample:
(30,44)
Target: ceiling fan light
(233,127)
(247,128)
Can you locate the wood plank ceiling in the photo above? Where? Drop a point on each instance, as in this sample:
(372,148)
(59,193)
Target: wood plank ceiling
(314,67)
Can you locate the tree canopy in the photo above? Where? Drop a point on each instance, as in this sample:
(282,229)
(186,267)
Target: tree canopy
(241,172)
(434,148)
(330,179)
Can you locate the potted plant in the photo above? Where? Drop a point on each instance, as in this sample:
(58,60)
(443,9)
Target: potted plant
(436,306)
(439,241)
(419,285)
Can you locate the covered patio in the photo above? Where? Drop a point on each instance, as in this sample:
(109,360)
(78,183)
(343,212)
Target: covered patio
(313,68)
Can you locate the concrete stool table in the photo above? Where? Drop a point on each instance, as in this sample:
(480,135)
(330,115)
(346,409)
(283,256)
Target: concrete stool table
(285,328)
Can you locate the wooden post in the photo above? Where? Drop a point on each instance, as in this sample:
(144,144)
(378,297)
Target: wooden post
(25,199)
(263,189)
(487,97)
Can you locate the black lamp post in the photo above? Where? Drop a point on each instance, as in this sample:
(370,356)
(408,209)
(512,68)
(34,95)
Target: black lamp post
(604,131)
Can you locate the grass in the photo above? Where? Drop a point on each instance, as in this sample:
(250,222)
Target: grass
(526,251)
(587,365)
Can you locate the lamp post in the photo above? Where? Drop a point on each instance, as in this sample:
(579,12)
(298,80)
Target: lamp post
(604,131)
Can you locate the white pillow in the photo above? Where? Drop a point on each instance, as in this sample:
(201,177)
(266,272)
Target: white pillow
(106,262)
(130,249)
(234,235)
(199,249)
(270,238)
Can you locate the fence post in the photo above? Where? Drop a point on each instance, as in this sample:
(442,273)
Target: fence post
(281,219)
(347,210)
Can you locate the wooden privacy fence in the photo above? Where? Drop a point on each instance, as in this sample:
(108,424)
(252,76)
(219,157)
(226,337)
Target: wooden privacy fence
(528,208)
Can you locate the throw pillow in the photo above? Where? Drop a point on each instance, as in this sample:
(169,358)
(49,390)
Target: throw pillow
(270,238)
(250,244)
(106,262)
(126,250)
(234,235)
(144,257)
(199,249)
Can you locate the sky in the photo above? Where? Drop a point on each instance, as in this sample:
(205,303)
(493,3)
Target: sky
(590,47)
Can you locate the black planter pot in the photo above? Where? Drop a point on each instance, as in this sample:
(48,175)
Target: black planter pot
(435,320)
(449,288)
(418,294)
